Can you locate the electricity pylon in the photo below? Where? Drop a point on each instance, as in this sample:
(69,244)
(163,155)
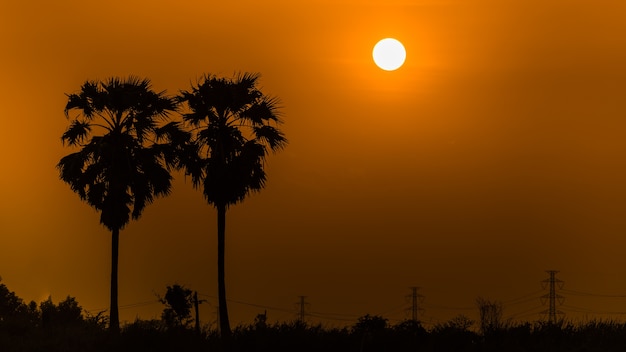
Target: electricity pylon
(302,308)
(415,300)
(552,296)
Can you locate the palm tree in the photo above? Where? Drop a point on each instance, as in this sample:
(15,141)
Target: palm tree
(234,128)
(126,150)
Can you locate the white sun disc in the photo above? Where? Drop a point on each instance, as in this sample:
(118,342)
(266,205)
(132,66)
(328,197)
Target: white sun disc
(389,54)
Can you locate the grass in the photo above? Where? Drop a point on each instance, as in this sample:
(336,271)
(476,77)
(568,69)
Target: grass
(153,335)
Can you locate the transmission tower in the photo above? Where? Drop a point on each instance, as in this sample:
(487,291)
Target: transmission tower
(552,296)
(302,308)
(415,299)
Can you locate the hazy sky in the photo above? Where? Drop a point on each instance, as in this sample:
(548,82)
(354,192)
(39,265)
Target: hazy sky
(495,153)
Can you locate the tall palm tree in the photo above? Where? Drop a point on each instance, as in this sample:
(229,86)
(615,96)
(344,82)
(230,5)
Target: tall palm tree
(126,149)
(235,125)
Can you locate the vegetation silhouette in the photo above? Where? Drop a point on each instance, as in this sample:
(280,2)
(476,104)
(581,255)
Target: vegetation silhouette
(127,165)
(178,302)
(490,315)
(234,126)
(66,327)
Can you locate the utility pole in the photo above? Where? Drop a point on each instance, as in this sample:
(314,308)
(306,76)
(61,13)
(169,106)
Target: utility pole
(552,296)
(196,303)
(415,299)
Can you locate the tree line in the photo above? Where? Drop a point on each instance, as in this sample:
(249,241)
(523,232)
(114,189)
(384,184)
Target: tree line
(129,144)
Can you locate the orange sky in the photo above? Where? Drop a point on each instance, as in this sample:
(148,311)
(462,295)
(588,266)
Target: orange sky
(496,152)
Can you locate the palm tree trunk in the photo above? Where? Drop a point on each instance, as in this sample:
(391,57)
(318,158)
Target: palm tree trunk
(114,318)
(221,282)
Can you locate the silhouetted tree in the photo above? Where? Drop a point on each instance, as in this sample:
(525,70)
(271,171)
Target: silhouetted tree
(454,335)
(370,323)
(410,326)
(371,328)
(178,301)
(235,125)
(14,313)
(125,165)
(490,315)
(10,304)
(67,312)
(459,322)
(260,321)
(48,311)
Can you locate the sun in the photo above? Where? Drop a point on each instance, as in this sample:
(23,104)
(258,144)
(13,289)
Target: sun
(389,54)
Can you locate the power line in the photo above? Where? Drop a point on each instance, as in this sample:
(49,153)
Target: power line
(140,304)
(401,307)
(126,306)
(414,297)
(524,313)
(435,306)
(523,299)
(330,318)
(333,314)
(585,310)
(250,304)
(580,293)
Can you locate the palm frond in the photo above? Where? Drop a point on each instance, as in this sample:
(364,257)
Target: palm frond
(243,92)
(173,144)
(247,81)
(201,111)
(173,132)
(77,133)
(262,111)
(71,171)
(96,194)
(86,101)
(270,135)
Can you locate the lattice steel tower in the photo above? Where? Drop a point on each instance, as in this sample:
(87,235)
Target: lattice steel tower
(415,298)
(552,296)
(301,308)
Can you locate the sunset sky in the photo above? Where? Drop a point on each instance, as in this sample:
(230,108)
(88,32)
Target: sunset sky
(498,151)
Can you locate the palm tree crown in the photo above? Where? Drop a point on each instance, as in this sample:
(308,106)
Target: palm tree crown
(127,165)
(233,121)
